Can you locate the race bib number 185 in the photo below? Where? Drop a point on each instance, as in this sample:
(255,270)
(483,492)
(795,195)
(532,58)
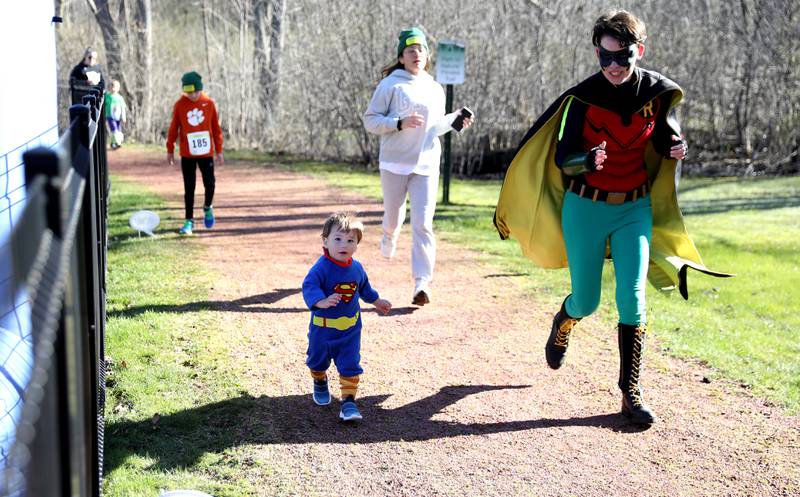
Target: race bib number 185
(199,142)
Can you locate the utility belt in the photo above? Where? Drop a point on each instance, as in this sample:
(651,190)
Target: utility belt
(343,323)
(582,189)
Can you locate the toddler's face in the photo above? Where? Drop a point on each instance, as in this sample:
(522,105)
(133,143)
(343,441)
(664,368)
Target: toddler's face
(341,245)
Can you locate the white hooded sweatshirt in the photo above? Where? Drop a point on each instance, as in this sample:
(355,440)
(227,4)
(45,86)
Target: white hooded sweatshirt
(411,150)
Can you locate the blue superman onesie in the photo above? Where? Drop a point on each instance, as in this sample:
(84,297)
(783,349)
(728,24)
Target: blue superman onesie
(335,332)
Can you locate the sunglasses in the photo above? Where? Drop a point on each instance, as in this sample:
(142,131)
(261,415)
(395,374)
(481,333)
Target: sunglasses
(623,58)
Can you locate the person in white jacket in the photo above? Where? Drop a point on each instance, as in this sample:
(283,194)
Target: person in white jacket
(407,110)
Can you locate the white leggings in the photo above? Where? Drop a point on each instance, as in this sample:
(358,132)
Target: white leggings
(422,192)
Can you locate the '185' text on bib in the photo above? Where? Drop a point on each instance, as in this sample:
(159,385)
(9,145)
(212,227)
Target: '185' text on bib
(199,142)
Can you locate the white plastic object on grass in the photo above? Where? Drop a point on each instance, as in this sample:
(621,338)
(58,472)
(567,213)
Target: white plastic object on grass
(144,221)
(184,493)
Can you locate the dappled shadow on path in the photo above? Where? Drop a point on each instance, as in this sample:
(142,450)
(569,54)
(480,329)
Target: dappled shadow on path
(714,206)
(262,228)
(180,439)
(253,303)
(233,223)
(506,275)
(118,241)
(315,217)
(688,207)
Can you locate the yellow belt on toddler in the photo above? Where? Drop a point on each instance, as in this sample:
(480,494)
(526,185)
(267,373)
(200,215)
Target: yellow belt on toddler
(340,324)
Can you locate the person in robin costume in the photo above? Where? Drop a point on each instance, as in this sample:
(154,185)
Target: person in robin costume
(596,177)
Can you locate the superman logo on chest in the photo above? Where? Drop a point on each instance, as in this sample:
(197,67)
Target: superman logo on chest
(620,132)
(346,290)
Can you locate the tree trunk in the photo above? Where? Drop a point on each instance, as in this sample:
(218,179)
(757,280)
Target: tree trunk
(244,104)
(114,65)
(261,12)
(205,36)
(144,55)
(272,86)
(750,22)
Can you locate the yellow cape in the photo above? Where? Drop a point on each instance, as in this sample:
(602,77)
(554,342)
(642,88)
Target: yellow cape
(529,208)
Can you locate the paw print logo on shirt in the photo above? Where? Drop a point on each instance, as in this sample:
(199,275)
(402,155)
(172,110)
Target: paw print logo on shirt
(195,117)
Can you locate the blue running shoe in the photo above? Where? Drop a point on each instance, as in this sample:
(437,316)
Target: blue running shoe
(321,395)
(187,228)
(349,411)
(208,217)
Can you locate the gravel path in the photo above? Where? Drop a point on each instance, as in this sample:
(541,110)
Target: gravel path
(456,395)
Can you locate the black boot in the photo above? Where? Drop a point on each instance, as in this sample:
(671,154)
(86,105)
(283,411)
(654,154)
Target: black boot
(631,345)
(556,348)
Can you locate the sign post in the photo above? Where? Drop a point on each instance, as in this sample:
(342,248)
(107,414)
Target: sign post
(449,72)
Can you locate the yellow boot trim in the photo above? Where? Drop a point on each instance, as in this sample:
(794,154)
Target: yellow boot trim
(634,391)
(564,329)
(319,375)
(349,385)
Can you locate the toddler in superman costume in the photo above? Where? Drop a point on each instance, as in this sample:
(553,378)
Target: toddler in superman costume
(332,290)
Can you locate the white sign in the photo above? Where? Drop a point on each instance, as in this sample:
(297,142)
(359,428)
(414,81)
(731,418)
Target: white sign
(450,62)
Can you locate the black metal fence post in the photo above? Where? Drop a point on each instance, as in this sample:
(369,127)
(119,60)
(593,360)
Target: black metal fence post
(59,251)
(88,289)
(447,164)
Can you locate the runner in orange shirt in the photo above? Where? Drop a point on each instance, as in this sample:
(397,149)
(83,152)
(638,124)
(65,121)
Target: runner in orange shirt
(195,120)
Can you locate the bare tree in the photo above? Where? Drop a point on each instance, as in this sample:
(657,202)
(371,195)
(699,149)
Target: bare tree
(243,21)
(143,28)
(206,30)
(114,60)
(272,84)
(298,75)
(261,12)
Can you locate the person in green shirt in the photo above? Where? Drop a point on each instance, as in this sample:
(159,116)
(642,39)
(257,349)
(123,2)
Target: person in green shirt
(116,111)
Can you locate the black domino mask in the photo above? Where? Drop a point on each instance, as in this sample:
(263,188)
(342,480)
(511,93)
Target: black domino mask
(624,58)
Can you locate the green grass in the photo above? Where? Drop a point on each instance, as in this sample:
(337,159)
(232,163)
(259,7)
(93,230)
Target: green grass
(746,328)
(174,400)
(173,389)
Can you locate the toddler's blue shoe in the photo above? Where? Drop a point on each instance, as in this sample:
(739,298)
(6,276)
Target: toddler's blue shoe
(349,411)
(321,395)
(187,228)
(208,217)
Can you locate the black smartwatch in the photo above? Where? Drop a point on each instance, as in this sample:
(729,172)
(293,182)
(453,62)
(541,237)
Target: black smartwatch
(399,125)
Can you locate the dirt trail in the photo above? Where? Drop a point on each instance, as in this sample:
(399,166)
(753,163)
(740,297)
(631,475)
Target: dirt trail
(456,395)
